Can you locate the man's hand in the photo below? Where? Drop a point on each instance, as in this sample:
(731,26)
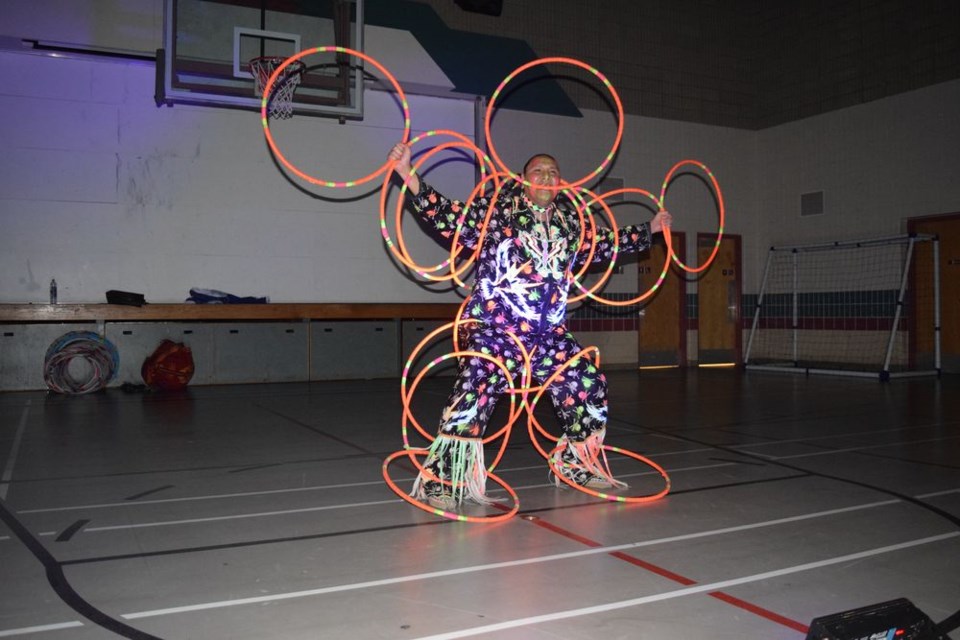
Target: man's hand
(400,153)
(661,220)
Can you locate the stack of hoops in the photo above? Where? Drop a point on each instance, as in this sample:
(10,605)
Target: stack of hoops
(99,355)
(494,175)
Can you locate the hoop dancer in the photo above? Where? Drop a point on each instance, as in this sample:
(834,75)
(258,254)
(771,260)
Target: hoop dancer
(533,242)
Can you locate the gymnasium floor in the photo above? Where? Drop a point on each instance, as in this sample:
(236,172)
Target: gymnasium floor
(259,511)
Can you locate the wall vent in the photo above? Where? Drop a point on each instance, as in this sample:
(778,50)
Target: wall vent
(610,184)
(811,204)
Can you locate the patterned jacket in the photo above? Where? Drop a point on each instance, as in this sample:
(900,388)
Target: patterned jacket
(525,266)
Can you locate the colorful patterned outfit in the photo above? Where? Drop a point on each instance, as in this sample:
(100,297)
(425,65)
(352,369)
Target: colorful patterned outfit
(523,275)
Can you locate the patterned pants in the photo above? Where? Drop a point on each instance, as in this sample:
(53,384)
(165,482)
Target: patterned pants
(579,395)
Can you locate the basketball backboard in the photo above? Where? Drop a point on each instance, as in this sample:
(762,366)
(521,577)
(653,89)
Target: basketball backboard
(208,45)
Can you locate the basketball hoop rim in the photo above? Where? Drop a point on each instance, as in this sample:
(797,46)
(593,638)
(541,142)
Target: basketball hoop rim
(262,68)
(272,62)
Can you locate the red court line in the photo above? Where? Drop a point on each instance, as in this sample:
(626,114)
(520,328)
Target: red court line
(660,571)
(760,611)
(675,577)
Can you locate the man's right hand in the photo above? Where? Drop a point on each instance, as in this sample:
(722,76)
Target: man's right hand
(400,153)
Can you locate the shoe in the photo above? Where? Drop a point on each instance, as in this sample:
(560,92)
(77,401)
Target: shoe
(444,502)
(583,478)
(439,496)
(594,482)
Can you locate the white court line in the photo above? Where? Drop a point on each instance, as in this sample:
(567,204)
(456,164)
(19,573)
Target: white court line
(14,451)
(22,631)
(628,475)
(261,514)
(848,449)
(770,443)
(242,494)
(678,593)
(852,434)
(937,493)
(541,559)
(361,504)
(502,565)
(133,503)
(512,624)
(245,494)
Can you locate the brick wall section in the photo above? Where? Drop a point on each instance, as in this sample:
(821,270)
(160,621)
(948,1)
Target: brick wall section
(748,64)
(823,56)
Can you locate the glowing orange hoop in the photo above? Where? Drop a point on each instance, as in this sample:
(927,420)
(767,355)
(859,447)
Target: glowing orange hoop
(552,461)
(407,394)
(557,60)
(440,512)
(529,393)
(264,106)
(477,190)
(575,279)
(666,261)
(399,248)
(533,425)
(720,206)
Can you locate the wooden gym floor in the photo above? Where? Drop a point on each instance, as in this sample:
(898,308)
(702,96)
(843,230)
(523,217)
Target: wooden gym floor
(259,511)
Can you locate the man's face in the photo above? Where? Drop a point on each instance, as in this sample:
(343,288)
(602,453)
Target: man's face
(541,171)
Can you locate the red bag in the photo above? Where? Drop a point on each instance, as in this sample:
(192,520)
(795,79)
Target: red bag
(169,367)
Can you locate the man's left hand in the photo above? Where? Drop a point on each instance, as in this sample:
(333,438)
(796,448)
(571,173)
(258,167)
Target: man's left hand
(661,220)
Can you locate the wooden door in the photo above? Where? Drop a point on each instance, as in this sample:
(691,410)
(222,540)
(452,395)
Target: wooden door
(718,302)
(662,337)
(947,227)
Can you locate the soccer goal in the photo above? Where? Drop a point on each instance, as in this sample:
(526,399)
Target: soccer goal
(859,308)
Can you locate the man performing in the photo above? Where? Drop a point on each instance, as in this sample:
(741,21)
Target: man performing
(524,270)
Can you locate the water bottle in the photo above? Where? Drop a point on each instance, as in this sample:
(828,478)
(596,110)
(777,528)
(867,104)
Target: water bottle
(53,292)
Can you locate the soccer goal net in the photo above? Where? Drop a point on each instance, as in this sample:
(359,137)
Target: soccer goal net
(861,308)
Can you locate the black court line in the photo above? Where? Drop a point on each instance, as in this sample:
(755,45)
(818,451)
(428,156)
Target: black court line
(680,492)
(72,530)
(816,441)
(61,586)
(137,496)
(766,421)
(256,467)
(320,432)
(255,543)
(746,434)
(396,527)
(746,462)
(224,467)
(281,390)
(926,463)
(945,626)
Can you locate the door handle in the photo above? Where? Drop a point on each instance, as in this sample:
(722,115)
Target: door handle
(732,289)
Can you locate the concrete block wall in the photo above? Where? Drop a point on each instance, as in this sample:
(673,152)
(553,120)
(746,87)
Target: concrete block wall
(747,64)
(236,352)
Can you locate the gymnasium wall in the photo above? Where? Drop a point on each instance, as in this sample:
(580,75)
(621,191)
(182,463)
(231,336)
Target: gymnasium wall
(876,164)
(101,189)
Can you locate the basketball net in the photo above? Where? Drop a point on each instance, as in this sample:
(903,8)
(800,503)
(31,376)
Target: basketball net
(280,104)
